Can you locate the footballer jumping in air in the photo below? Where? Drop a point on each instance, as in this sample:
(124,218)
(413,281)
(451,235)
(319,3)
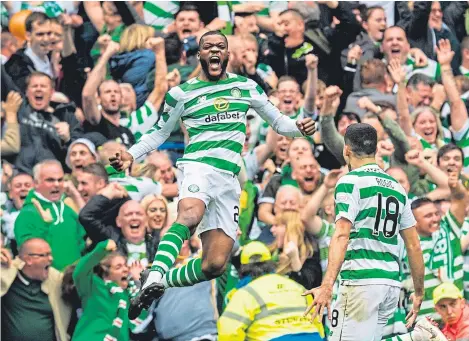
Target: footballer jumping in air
(213,109)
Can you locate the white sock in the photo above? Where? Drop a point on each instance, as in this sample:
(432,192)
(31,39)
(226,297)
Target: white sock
(153,277)
(419,335)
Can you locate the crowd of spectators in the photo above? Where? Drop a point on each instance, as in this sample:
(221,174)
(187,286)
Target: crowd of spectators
(81,81)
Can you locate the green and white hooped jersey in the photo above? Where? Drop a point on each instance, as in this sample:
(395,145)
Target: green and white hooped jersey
(141,120)
(324,240)
(464,232)
(379,209)
(432,69)
(443,261)
(214,114)
(160,14)
(461,139)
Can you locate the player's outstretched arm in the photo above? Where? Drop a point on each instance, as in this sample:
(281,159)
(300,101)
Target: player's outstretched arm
(153,138)
(322,295)
(280,123)
(417,269)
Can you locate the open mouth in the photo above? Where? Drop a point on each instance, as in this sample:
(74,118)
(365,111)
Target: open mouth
(214,62)
(395,50)
(428,133)
(283,149)
(186,31)
(55,192)
(38,98)
(287,101)
(309,178)
(134,226)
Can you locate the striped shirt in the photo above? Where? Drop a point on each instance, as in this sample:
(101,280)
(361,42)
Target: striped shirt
(462,141)
(214,114)
(443,261)
(324,240)
(136,187)
(465,231)
(378,208)
(160,14)
(141,120)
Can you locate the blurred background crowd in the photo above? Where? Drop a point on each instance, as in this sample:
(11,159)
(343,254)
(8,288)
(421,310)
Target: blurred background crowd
(82,80)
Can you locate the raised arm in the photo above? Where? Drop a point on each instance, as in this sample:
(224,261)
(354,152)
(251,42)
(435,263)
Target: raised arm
(155,137)
(95,13)
(398,75)
(280,123)
(415,157)
(160,88)
(311,84)
(83,273)
(265,150)
(309,215)
(329,134)
(96,76)
(458,197)
(459,114)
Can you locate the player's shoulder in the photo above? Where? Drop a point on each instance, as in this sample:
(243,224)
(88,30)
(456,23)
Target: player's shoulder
(174,95)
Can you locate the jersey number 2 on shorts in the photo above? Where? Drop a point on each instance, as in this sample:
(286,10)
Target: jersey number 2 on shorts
(389,217)
(236,214)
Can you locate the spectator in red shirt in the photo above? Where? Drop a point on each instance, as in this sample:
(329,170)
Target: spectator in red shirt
(454,311)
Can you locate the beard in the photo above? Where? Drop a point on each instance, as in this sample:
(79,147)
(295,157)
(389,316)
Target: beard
(205,69)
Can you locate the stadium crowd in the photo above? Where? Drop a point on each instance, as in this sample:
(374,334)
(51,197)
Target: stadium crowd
(81,81)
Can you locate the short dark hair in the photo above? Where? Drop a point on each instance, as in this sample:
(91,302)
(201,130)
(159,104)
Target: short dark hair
(39,74)
(98,170)
(362,138)
(257,269)
(350,115)
(419,78)
(17,174)
(293,11)
(35,17)
(187,8)
(212,33)
(419,202)
(446,148)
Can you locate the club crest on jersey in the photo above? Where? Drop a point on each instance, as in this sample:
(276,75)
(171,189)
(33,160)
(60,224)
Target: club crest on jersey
(236,93)
(193,188)
(221,104)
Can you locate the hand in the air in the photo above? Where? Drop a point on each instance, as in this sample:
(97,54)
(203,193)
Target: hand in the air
(121,161)
(307,126)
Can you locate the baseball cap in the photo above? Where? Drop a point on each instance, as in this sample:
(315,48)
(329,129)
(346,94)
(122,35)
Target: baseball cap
(446,290)
(255,249)
(85,142)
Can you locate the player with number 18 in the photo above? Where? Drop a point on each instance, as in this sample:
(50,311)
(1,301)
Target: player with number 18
(372,210)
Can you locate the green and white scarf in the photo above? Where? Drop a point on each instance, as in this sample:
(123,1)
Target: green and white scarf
(122,308)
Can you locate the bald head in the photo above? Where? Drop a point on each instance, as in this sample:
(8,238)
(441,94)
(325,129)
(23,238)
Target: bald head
(288,198)
(32,245)
(132,221)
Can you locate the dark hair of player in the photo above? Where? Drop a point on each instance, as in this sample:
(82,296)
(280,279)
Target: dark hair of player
(212,33)
(362,139)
